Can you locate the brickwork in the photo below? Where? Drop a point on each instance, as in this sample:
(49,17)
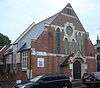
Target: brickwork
(91,65)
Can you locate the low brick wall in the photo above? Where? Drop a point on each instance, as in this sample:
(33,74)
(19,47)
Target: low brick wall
(7,84)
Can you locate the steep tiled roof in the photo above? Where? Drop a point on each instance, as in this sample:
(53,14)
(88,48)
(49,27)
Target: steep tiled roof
(35,30)
(36,27)
(61,19)
(57,19)
(68,15)
(69,10)
(69,5)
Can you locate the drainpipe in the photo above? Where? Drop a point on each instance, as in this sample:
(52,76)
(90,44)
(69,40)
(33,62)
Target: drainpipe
(30,65)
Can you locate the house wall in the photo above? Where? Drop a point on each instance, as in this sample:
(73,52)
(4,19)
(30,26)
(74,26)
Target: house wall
(46,43)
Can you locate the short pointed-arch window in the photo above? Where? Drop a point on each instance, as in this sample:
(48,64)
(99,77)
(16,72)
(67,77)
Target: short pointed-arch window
(79,35)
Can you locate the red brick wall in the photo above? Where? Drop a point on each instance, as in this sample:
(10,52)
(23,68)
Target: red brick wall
(91,64)
(45,42)
(51,65)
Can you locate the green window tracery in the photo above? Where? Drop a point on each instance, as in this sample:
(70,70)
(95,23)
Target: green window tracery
(66,45)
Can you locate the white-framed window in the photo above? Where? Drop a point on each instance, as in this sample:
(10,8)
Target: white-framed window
(40,62)
(9,59)
(24,60)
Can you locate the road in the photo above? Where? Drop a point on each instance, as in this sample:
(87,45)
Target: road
(82,86)
(78,84)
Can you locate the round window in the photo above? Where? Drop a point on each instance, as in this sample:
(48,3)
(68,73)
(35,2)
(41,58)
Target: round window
(69,30)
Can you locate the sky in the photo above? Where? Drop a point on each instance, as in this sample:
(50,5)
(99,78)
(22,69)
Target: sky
(17,15)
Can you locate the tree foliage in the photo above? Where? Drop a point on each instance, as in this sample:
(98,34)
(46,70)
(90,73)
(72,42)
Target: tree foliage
(4,40)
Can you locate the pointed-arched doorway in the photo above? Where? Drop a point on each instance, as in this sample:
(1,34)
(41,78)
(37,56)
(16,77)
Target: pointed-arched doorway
(77,70)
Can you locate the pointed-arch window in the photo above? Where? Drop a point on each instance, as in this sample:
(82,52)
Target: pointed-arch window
(76,36)
(66,45)
(58,36)
(79,35)
(80,41)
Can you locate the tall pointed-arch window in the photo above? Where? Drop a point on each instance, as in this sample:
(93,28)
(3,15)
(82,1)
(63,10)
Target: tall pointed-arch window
(66,45)
(58,36)
(73,46)
(79,41)
(76,36)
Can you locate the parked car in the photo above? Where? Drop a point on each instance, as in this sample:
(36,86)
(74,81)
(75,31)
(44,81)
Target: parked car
(91,79)
(47,81)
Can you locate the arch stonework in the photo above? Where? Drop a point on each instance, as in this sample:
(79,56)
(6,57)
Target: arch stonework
(77,69)
(82,64)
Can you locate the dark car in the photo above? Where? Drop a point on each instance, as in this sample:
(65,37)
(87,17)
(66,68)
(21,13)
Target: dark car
(91,79)
(47,81)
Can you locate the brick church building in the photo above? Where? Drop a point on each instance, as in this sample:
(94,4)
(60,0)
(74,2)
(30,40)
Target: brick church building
(58,44)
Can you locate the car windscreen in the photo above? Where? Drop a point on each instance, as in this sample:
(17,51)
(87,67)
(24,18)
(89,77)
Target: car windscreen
(35,79)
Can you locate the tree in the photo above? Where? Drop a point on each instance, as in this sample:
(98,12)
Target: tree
(4,40)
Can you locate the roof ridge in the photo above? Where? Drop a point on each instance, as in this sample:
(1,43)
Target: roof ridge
(32,25)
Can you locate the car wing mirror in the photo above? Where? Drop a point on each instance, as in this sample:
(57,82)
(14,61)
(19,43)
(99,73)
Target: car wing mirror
(41,81)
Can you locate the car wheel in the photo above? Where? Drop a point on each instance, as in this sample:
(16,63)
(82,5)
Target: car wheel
(68,85)
(91,86)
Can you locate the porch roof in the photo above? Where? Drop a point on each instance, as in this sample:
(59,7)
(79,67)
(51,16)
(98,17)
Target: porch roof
(66,60)
(24,47)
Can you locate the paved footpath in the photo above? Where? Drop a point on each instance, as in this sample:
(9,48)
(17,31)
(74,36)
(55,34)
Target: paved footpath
(77,84)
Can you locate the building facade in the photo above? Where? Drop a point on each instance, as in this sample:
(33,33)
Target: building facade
(97,49)
(58,44)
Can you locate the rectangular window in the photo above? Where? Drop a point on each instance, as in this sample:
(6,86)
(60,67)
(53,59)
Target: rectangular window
(40,62)
(18,58)
(24,60)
